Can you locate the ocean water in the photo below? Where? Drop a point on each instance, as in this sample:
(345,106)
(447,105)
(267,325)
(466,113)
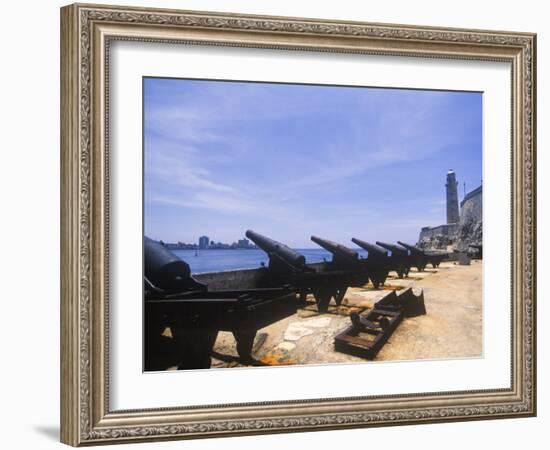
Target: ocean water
(202,261)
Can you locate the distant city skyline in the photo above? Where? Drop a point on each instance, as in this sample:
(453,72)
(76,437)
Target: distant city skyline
(204,243)
(291,161)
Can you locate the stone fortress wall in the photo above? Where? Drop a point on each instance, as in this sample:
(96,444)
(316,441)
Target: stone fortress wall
(437,237)
(471,207)
(457,236)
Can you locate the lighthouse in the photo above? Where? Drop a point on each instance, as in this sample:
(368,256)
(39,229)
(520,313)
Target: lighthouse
(452,197)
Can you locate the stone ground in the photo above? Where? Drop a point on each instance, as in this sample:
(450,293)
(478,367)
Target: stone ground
(452,327)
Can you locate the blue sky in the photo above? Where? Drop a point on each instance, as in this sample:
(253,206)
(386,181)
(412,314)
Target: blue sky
(292,160)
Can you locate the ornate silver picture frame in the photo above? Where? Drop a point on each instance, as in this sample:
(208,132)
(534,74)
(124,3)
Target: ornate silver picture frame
(87,34)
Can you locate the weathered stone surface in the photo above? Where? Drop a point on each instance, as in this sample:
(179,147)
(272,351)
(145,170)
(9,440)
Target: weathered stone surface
(471,207)
(296,331)
(459,236)
(470,233)
(451,329)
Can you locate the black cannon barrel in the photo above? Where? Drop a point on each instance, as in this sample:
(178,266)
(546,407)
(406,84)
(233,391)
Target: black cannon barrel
(374,250)
(393,248)
(164,269)
(412,248)
(335,248)
(378,262)
(271,246)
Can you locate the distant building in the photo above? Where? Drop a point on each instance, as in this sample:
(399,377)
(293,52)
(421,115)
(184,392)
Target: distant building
(179,245)
(452,198)
(204,241)
(464,226)
(206,244)
(218,246)
(243,243)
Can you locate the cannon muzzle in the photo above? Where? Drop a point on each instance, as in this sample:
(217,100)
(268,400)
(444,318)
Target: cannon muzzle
(412,248)
(375,252)
(277,249)
(398,251)
(165,270)
(336,249)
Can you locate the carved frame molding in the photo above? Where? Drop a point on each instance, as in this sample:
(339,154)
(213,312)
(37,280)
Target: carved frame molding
(86,31)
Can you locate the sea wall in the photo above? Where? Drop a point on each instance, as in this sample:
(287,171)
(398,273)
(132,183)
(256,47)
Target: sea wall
(232,279)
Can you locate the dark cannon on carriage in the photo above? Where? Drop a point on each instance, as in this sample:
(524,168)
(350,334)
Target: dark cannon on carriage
(378,262)
(401,260)
(325,280)
(194,315)
(421,258)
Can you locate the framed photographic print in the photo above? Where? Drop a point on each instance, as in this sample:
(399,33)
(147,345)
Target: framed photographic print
(277,224)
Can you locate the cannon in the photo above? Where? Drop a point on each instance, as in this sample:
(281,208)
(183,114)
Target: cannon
(281,257)
(435,258)
(325,281)
(421,258)
(194,315)
(165,271)
(345,259)
(418,258)
(342,256)
(401,260)
(378,262)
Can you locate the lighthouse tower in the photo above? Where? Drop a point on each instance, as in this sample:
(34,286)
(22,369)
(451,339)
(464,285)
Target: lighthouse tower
(452,197)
